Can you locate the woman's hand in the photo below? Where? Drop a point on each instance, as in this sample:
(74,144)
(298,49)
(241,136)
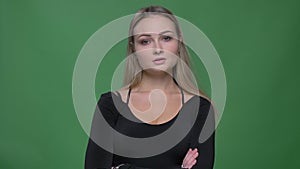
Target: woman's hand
(190,159)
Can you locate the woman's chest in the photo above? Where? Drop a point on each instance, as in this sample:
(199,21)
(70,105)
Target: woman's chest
(168,146)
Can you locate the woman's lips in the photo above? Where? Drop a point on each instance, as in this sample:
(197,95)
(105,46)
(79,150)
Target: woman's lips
(159,61)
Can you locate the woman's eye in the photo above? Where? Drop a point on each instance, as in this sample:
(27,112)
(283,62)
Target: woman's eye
(167,38)
(144,42)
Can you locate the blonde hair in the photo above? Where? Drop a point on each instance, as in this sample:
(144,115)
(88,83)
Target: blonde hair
(181,71)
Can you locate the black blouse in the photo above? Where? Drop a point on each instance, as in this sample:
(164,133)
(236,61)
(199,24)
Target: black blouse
(190,121)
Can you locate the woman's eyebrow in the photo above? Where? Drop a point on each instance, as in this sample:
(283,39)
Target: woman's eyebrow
(143,35)
(163,32)
(167,31)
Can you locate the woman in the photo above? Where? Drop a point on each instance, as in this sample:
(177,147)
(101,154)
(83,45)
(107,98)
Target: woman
(158,88)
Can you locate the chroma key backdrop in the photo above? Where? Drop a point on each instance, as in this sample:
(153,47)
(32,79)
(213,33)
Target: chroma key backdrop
(257,43)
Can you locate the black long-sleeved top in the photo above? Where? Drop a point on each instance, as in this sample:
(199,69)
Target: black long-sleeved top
(193,115)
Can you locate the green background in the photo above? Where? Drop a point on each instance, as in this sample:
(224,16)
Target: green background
(258,43)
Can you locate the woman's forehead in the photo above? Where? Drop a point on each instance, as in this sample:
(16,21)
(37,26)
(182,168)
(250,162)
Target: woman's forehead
(154,25)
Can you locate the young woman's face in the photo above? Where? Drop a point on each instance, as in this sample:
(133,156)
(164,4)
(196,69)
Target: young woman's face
(156,43)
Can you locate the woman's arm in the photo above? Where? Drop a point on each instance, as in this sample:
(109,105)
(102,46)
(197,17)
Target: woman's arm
(206,150)
(204,127)
(96,156)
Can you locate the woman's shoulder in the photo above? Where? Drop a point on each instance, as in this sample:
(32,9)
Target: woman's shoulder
(122,92)
(202,98)
(105,99)
(107,96)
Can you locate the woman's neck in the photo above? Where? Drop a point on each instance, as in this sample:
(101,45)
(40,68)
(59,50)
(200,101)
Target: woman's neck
(156,80)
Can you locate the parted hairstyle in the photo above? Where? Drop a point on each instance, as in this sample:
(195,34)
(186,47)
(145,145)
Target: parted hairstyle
(182,73)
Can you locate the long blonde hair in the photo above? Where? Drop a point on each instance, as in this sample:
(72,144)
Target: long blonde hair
(181,71)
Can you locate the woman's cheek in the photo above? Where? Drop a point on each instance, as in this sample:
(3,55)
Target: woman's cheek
(144,60)
(173,48)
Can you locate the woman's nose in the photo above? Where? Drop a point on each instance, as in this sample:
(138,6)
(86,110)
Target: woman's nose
(157,47)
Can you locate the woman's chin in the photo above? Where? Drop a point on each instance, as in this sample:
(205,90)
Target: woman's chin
(157,71)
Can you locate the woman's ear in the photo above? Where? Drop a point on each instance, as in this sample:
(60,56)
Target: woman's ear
(132,47)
